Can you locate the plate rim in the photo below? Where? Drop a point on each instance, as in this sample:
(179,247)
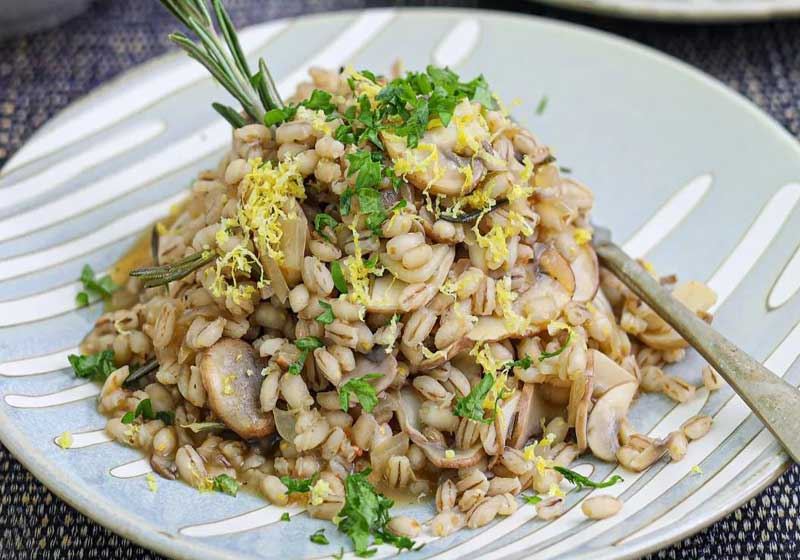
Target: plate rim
(177,546)
(691,12)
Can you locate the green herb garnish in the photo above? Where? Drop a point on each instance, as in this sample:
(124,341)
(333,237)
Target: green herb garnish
(94,366)
(306,345)
(471,406)
(319,537)
(338,277)
(363,391)
(101,287)
(532,500)
(285,516)
(542,105)
(545,355)
(323,220)
(581,481)
(365,515)
(144,410)
(226,484)
(198,427)
(327,316)
(298,485)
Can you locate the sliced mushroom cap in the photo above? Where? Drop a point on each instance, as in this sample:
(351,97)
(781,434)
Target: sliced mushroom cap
(607,373)
(557,267)
(494,438)
(387,368)
(231,373)
(587,274)
(406,404)
(293,243)
(663,340)
(605,418)
(443,256)
(430,167)
(385,294)
(440,357)
(530,411)
(461,458)
(542,302)
(695,295)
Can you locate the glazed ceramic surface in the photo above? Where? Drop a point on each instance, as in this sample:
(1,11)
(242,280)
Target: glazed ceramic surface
(685,172)
(687,10)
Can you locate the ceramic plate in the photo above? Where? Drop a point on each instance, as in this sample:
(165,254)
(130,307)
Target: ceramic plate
(687,10)
(686,173)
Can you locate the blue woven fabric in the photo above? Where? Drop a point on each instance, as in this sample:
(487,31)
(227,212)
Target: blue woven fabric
(42,73)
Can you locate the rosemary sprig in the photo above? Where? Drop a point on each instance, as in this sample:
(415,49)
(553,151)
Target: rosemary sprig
(471,216)
(143,370)
(162,275)
(224,59)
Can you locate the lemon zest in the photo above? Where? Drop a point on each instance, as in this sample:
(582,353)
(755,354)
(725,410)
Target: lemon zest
(555,490)
(449,454)
(358,273)
(65,440)
(227,384)
(319,492)
(582,236)
(152,485)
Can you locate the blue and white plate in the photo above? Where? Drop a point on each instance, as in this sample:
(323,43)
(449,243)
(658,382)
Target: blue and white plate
(686,173)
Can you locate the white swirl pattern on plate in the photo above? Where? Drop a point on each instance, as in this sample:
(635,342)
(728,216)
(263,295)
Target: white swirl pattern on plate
(570,533)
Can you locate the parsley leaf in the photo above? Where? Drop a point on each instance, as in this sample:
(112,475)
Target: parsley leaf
(542,105)
(306,345)
(226,484)
(339,555)
(94,366)
(365,515)
(319,537)
(368,166)
(145,410)
(101,287)
(471,406)
(327,316)
(323,220)
(285,516)
(533,500)
(581,481)
(363,391)
(338,277)
(320,100)
(298,485)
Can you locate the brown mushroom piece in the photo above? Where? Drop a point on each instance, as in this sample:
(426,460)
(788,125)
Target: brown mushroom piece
(496,434)
(530,411)
(458,459)
(605,418)
(231,373)
(587,274)
(607,373)
(557,267)
(406,404)
(442,258)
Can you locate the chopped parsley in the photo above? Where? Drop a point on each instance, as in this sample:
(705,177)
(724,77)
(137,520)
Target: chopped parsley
(363,391)
(327,316)
(471,406)
(365,515)
(298,485)
(226,484)
(542,105)
(581,481)
(94,366)
(532,500)
(323,220)
(144,410)
(338,277)
(319,537)
(318,101)
(285,516)
(306,345)
(101,287)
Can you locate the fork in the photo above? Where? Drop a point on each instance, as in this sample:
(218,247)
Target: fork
(773,400)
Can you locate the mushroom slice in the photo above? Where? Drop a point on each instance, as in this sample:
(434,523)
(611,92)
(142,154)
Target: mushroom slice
(695,295)
(587,274)
(494,436)
(461,458)
(663,340)
(542,302)
(605,418)
(386,368)
(489,329)
(530,411)
(441,356)
(557,267)
(443,256)
(386,449)
(429,168)
(607,373)
(231,373)
(406,404)
(385,294)
(293,243)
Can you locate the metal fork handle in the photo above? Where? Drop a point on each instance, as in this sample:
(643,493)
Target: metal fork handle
(773,400)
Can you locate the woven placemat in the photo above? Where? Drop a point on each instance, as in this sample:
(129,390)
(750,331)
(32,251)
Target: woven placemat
(42,73)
